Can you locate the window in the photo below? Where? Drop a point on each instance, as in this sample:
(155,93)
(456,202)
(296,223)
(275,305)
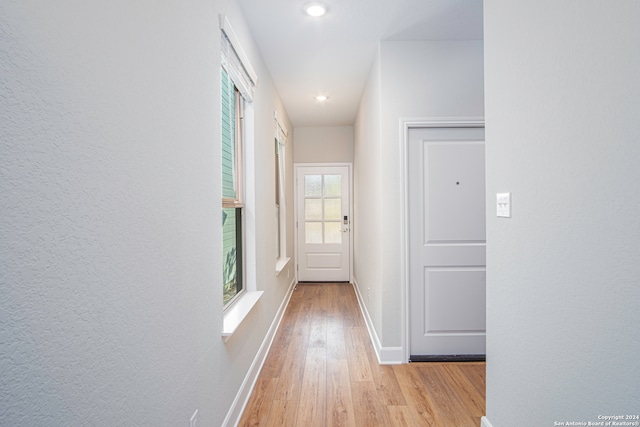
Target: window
(232,203)
(237,82)
(281,210)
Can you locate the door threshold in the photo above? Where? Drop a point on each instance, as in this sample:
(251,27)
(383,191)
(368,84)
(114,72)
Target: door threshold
(449,358)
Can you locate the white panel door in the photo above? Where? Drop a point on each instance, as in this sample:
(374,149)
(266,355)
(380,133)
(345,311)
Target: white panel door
(323,223)
(447,247)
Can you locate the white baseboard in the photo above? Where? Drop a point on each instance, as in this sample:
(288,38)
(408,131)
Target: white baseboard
(484,422)
(385,355)
(242,397)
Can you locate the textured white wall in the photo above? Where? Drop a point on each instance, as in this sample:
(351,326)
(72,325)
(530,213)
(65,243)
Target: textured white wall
(323,144)
(110,306)
(562,118)
(415,79)
(367,201)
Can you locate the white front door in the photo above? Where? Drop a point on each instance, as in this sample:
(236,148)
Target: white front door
(323,223)
(447,246)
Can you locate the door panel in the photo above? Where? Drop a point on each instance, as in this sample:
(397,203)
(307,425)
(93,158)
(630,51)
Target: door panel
(323,223)
(455,300)
(320,260)
(454,196)
(447,248)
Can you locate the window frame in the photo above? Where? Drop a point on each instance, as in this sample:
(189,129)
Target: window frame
(236,203)
(244,78)
(280,195)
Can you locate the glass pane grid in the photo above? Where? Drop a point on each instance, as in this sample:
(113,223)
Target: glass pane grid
(323,209)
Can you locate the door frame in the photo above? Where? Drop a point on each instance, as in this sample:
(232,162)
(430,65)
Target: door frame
(406,124)
(349,167)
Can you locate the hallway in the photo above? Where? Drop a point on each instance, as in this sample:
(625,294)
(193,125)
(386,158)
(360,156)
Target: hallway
(322,371)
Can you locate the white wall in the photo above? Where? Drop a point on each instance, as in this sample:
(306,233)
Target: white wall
(562,135)
(367,202)
(110,306)
(324,144)
(415,79)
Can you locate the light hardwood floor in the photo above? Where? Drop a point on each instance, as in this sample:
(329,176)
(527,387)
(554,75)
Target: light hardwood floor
(322,371)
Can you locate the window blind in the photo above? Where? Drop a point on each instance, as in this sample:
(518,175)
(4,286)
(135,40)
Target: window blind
(236,62)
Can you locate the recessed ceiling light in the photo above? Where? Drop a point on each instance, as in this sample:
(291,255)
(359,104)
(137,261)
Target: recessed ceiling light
(321,98)
(315,9)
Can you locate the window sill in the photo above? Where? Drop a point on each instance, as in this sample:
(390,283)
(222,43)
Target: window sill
(238,312)
(281,263)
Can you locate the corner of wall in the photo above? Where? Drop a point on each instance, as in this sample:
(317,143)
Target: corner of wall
(385,355)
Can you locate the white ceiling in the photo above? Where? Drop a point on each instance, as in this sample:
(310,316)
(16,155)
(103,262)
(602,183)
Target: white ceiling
(332,55)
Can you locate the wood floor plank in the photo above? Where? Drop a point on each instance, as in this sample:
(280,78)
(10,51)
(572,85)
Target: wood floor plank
(306,304)
(318,315)
(257,411)
(359,369)
(400,416)
(417,397)
(336,346)
(283,413)
(387,385)
(476,373)
(333,311)
(313,393)
(336,349)
(293,368)
(385,379)
(318,334)
(469,395)
(340,409)
(348,305)
(278,352)
(446,400)
(369,411)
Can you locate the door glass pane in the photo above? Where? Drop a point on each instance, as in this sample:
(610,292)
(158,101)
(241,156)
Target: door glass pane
(313,185)
(313,210)
(332,209)
(332,232)
(332,185)
(313,232)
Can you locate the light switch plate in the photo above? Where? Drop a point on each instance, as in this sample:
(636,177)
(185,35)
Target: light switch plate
(503,201)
